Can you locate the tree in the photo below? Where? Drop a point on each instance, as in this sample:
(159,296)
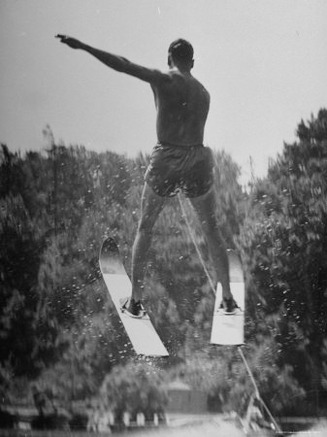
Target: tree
(28,340)
(283,241)
(134,388)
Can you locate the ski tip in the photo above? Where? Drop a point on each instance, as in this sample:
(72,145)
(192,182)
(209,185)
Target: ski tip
(109,258)
(109,242)
(109,245)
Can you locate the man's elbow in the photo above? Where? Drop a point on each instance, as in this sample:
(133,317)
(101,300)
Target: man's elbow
(124,65)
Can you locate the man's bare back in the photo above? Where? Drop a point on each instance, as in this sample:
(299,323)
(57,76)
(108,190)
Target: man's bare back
(182,105)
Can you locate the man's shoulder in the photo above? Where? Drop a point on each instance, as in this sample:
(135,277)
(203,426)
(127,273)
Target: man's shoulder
(160,77)
(200,84)
(174,79)
(200,87)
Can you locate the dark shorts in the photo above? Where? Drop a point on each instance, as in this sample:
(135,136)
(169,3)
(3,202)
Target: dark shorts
(185,168)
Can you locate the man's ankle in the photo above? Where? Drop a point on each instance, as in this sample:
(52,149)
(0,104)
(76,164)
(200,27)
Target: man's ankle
(227,296)
(133,308)
(135,299)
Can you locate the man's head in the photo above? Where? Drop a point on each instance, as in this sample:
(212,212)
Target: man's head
(180,53)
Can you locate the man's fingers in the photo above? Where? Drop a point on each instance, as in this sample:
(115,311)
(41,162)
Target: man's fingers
(69,41)
(62,37)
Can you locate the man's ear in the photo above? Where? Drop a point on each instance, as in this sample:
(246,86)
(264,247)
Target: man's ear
(192,63)
(169,60)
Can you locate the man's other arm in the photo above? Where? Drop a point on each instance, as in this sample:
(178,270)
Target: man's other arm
(115,62)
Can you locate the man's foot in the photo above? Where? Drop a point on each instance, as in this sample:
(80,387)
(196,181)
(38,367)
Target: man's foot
(132,308)
(229,306)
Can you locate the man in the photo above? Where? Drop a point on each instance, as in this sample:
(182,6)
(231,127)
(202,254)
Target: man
(179,160)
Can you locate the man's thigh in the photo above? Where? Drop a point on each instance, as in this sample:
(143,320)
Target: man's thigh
(205,207)
(151,206)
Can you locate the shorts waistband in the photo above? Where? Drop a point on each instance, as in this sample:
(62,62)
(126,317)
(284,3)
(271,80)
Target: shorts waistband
(180,146)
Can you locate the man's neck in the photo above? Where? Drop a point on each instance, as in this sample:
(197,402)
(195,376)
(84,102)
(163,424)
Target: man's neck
(186,71)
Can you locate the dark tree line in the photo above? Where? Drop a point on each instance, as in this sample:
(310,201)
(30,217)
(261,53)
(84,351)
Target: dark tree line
(58,328)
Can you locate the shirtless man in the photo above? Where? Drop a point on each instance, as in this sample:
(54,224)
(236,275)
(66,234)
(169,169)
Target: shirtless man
(179,160)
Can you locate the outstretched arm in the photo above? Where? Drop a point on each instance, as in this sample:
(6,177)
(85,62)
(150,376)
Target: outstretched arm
(115,62)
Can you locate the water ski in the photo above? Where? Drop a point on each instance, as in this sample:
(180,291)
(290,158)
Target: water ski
(228,329)
(141,332)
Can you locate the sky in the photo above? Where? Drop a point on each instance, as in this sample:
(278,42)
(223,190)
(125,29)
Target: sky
(264,63)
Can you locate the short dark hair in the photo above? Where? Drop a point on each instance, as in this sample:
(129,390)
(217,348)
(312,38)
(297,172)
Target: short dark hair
(181,50)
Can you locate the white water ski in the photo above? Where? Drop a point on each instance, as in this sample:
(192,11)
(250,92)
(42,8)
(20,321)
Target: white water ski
(141,332)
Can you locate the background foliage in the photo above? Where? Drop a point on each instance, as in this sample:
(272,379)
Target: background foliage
(59,333)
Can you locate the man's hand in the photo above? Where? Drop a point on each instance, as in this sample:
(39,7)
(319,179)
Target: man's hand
(71,42)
